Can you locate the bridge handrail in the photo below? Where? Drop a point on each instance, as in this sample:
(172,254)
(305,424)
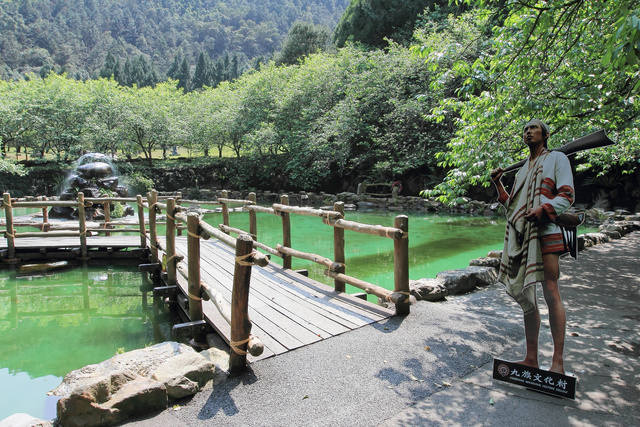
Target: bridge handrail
(336,268)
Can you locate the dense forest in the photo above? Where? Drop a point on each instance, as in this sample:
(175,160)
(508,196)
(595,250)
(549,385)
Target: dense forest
(436,108)
(75,36)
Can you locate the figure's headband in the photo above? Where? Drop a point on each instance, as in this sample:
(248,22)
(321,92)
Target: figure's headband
(540,123)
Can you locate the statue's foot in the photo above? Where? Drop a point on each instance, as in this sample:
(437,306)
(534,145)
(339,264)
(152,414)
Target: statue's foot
(557,368)
(529,362)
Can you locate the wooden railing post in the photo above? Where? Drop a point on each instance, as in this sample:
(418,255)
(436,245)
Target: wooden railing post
(225,209)
(193,248)
(8,214)
(45,217)
(401,264)
(338,248)
(152,198)
(178,204)
(171,242)
(286,231)
(240,323)
(82,225)
(107,217)
(253,221)
(143,229)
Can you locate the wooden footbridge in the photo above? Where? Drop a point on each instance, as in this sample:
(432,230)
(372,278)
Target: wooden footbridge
(219,282)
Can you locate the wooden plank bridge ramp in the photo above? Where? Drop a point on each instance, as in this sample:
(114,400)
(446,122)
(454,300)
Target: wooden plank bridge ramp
(287,310)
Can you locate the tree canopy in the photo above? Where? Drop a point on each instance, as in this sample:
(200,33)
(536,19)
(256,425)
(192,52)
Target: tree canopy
(573,64)
(75,36)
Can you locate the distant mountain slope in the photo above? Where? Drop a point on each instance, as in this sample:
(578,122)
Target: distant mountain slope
(75,35)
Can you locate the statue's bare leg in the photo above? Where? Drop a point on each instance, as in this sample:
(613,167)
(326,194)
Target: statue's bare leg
(557,315)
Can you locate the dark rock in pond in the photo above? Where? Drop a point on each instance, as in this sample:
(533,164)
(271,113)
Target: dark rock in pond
(60,212)
(69,194)
(95,170)
(108,183)
(77,182)
(91,192)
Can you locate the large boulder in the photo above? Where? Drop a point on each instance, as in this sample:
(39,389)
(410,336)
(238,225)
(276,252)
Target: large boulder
(185,374)
(95,170)
(111,398)
(143,362)
(428,289)
(484,275)
(457,281)
(24,420)
(485,262)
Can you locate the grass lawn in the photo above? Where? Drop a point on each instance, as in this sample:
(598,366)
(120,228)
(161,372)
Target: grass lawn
(157,154)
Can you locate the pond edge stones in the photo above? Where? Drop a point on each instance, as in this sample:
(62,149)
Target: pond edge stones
(136,383)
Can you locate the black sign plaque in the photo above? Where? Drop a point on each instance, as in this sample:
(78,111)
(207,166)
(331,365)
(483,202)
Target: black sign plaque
(535,379)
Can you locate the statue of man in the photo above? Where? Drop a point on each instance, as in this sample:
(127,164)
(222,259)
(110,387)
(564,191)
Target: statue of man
(543,189)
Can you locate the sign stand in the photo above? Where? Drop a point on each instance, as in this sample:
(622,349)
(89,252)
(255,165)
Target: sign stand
(535,379)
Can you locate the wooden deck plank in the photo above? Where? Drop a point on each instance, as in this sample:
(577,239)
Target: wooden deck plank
(74,242)
(290,333)
(270,292)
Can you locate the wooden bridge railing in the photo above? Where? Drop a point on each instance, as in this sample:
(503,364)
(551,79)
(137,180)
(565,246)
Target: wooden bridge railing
(241,340)
(334,268)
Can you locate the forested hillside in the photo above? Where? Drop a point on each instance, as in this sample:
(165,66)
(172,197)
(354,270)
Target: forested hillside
(76,35)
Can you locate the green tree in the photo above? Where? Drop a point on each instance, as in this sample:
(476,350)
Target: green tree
(184,76)
(110,67)
(557,61)
(203,75)
(371,21)
(58,108)
(302,40)
(148,120)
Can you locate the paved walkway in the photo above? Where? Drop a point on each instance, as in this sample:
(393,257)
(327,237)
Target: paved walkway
(434,366)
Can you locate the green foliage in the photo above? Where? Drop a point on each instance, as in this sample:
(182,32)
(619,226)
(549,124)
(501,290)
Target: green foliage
(370,22)
(555,61)
(303,39)
(75,36)
(137,183)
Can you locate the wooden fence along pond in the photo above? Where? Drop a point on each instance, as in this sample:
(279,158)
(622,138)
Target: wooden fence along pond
(223,284)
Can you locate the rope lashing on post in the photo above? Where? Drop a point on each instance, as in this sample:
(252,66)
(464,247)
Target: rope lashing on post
(234,345)
(7,234)
(241,259)
(388,298)
(197,236)
(193,296)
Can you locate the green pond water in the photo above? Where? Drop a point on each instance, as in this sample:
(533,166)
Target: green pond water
(55,323)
